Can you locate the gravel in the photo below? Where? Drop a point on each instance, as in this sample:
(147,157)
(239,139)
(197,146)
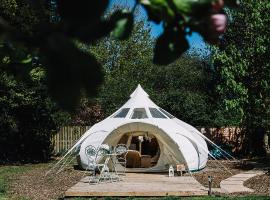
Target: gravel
(219,170)
(33,184)
(260,184)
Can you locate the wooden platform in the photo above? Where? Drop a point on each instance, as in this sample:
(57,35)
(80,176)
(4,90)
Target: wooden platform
(140,185)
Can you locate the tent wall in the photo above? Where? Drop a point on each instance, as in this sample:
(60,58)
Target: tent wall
(172,151)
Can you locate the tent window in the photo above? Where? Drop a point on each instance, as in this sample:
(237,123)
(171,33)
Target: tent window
(139,113)
(156,113)
(166,113)
(122,114)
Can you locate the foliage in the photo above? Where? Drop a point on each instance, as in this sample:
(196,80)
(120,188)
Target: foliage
(28,116)
(242,65)
(179,18)
(88,113)
(126,64)
(182,88)
(71,70)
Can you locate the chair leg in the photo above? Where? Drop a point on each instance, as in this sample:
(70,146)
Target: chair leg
(92,178)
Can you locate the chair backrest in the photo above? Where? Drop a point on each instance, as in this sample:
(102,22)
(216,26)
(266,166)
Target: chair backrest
(103,150)
(90,151)
(121,149)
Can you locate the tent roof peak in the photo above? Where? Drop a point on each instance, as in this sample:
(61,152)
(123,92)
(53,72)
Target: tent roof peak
(139,99)
(139,91)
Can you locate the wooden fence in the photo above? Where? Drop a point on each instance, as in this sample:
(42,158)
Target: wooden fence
(230,137)
(68,135)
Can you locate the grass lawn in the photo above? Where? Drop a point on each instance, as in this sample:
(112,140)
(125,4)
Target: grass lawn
(186,198)
(27,182)
(7,173)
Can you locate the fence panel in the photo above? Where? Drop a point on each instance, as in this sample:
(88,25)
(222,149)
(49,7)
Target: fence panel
(66,137)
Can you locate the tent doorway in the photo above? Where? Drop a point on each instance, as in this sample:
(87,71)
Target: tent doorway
(144,149)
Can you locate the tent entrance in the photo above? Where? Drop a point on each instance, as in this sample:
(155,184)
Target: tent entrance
(144,150)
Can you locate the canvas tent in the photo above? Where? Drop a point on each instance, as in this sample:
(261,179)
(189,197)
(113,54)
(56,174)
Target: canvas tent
(156,139)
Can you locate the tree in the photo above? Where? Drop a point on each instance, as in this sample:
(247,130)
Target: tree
(27,25)
(125,63)
(88,113)
(244,71)
(28,115)
(30,23)
(183,87)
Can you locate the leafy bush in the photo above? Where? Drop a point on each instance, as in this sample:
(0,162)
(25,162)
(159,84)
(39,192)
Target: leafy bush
(28,118)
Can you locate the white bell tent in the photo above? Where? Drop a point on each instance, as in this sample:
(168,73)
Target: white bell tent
(156,139)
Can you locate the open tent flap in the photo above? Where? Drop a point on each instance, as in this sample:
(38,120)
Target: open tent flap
(169,152)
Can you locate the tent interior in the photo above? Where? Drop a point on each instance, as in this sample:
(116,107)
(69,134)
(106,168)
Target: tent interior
(144,150)
(150,148)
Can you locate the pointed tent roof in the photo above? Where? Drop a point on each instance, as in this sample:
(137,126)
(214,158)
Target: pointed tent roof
(139,91)
(139,99)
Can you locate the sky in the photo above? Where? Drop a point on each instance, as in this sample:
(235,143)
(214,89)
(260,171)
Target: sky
(195,40)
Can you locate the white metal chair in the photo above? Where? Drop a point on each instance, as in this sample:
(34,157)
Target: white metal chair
(121,151)
(104,171)
(91,152)
(102,155)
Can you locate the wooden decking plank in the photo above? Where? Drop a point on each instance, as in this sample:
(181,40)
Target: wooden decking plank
(140,185)
(137,193)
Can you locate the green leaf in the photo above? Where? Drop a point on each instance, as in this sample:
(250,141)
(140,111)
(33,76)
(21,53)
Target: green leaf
(26,61)
(232,3)
(158,10)
(123,24)
(89,34)
(69,71)
(194,7)
(170,46)
(183,6)
(81,11)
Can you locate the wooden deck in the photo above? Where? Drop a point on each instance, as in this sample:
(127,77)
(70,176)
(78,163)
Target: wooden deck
(140,185)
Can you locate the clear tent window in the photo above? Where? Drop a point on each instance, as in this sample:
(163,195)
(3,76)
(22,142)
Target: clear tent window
(166,113)
(156,113)
(139,113)
(122,113)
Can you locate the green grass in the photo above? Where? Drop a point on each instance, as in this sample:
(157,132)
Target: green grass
(6,173)
(184,198)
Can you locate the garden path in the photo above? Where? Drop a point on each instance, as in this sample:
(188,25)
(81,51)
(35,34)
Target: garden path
(236,183)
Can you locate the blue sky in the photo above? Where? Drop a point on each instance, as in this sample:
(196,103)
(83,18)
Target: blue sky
(195,40)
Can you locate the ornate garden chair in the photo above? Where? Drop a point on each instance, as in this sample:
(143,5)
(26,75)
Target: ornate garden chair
(102,159)
(91,153)
(121,151)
